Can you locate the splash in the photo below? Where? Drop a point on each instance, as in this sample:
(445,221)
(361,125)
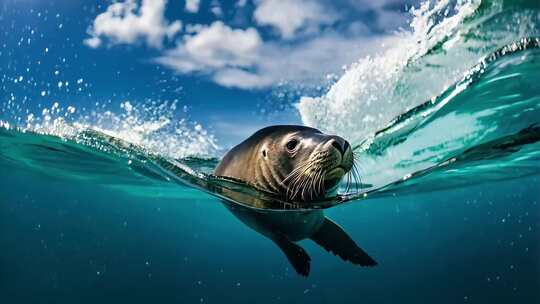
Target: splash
(445,40)
(157,126)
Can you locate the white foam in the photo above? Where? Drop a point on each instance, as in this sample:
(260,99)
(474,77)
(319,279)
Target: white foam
(151,125)
(376,89)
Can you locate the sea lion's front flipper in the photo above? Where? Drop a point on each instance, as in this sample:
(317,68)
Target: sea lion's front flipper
(297,256)
(334,239)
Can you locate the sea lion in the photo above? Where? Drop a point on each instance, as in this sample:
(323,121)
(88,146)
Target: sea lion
(296,163)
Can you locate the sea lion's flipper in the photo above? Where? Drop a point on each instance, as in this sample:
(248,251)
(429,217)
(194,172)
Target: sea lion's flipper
(297,256)
(334,239)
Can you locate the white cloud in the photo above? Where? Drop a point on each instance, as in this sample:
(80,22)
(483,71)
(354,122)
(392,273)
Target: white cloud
(93,42)
(291,16)
(214,47)
(239,58)
(233,77)
(308,62)
(127,22)
(192,6)
(216,8)
(241,3)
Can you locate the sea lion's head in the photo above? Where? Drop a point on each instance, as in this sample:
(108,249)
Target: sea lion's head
(296,162)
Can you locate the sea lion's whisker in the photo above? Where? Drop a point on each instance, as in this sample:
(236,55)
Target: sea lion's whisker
(321,182)
(304,187)
(298,182)
(295,178)
(293,173)
(292,185)
(317,182)
(312,184)
(354,179)
(348,184)
(357,178)
(307,183)
(306,180)
(296,185)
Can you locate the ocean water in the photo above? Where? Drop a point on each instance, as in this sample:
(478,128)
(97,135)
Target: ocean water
(445,125)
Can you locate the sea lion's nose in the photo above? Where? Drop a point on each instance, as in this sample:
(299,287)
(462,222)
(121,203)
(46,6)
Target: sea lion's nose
(340,144)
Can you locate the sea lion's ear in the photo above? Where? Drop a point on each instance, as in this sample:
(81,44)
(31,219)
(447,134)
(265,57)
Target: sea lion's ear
(264,150)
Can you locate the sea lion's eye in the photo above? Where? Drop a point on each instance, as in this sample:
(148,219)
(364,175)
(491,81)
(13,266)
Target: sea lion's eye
(291,144)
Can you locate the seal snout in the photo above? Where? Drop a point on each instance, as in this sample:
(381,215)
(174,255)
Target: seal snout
(340,144)
(343,156)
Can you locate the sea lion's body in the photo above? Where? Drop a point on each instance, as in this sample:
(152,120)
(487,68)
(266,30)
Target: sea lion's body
(296,225)
(296,163)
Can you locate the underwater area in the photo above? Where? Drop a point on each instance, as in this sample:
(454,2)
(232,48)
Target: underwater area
(104,206)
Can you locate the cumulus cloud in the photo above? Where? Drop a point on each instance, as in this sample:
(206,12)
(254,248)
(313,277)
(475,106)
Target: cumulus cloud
(213,47)
(238,78)
(239,57)
(127,22)
(291,16)
(192,6)
(215,8)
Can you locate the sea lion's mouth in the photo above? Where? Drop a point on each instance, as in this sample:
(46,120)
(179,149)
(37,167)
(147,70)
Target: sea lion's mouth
(333,177)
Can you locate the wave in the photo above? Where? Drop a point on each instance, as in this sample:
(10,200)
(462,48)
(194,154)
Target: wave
(409,137)
(159,126)
(484,128)
(446,39)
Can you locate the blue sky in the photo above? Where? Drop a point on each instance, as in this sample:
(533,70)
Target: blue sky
(235,65)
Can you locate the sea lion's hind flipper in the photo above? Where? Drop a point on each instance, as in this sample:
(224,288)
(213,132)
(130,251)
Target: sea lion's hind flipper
(334,239)
(296,255)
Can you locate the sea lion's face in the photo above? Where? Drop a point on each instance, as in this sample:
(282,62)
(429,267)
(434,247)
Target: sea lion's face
(306,162)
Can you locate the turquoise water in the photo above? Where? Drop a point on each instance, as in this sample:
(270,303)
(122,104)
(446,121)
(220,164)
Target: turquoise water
(447,204)
(76,241)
